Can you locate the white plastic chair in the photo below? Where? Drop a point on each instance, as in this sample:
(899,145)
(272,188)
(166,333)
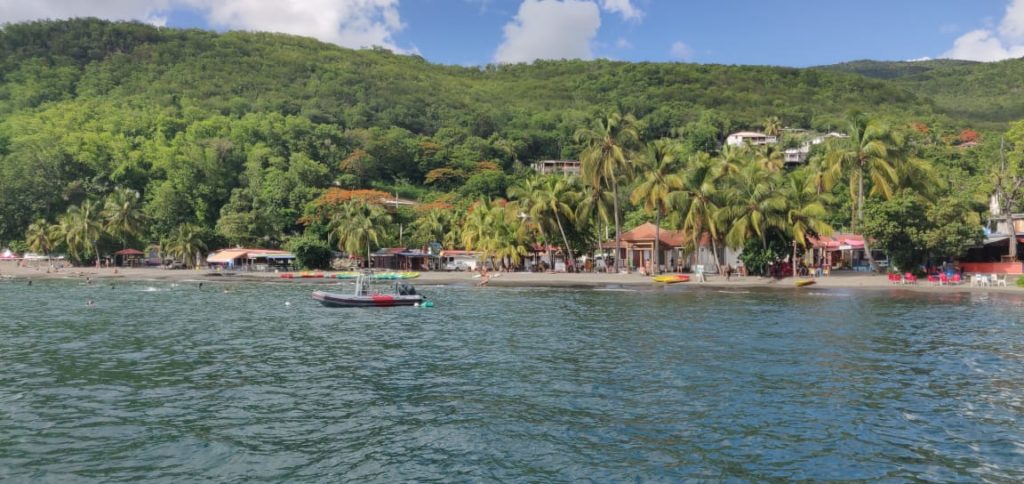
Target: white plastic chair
(1000,281)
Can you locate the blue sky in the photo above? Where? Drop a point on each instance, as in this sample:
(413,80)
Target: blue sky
(474,32)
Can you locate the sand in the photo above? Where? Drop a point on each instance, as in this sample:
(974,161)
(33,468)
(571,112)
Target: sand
(10,269)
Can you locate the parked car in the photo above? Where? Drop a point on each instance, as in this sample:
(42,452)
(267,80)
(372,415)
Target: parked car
(457,266)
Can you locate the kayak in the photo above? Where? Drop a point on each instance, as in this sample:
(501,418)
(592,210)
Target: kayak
(804,282)
(346,275)
(671,278)
(396,275)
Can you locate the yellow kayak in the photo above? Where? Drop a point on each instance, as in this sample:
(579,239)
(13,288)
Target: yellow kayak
(804,282)
(671,278)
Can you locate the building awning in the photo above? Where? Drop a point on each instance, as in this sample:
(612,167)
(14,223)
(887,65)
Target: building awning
(129,252)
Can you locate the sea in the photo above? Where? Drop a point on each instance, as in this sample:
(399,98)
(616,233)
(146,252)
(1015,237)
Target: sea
(176,381)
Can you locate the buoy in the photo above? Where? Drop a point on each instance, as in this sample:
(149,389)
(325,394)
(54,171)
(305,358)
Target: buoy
(287,303)
(428,304)
(415,305)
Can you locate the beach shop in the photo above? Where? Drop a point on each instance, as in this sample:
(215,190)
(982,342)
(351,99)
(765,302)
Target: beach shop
(637,248)
(256,260)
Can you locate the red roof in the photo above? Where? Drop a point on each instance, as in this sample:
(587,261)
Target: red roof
(835,241)
(646,233)
(129,252)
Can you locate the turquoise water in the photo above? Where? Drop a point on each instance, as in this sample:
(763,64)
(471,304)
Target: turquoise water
(166,382)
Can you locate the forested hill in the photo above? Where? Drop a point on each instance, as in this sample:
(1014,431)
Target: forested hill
(989,94)
(206,126)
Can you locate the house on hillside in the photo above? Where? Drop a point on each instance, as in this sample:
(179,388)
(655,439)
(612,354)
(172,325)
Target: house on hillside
(751,138)
(560,167)
(797,156)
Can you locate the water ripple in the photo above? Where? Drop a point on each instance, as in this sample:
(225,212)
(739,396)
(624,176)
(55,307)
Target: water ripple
(170,382)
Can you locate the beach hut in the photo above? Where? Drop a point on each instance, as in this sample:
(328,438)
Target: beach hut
(128,258)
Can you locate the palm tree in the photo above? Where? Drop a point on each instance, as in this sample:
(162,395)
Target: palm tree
(38,237)
(122,214)
(865,153)
(697,199)
(659,180)
(772,126)
(755,206)
(82,230)
(357,225)
(185,243)
(546,198)
(605,159)
(496,231)
(430,227)
(595,205)
(770,157)
(805,208)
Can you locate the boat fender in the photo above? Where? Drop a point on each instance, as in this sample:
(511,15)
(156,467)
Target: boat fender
(428,304)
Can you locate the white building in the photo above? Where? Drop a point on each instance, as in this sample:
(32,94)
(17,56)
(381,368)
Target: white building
(796,156)
(751,138)
(561,167)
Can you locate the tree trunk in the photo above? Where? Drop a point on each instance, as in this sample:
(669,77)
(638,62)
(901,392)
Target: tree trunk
(714,251)
(618,227)
(568,250)
(657,241)
(860,220)
(1013,235)
(794,258)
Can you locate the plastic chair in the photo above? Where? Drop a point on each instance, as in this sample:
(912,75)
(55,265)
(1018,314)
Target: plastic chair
(943,280)
(934,279)
(956,279)
(999,281)
(910,278)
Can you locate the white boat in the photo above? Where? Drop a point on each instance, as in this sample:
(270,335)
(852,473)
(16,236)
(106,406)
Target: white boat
(401,294)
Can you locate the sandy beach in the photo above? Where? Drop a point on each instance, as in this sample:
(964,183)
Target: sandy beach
(507,279)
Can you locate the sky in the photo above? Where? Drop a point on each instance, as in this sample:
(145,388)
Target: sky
(794,33)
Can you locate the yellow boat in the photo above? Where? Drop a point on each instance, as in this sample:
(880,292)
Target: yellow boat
(805,282)
(671,278)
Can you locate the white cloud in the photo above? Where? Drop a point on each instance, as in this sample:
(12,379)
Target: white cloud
(920,59)
(983,45)
(624,8)
(550,29)
(623,43)
(987,45)
(1012,26)
(680,51)
(24,10)
(349,23)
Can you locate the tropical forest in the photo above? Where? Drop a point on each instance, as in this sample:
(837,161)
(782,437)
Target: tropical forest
(122,134)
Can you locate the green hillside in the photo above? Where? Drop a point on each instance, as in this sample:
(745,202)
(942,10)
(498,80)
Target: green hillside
(207,126)
(989,94)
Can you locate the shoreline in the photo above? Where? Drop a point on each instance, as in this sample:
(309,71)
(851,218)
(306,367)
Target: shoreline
(503,279)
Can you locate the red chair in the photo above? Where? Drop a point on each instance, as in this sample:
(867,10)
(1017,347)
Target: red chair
(943,280)
(909,278)
(956,278)
(934,279)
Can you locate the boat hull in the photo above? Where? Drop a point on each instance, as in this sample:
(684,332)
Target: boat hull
(334,300)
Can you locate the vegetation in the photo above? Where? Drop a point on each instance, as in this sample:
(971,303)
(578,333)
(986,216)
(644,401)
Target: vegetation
(121,134)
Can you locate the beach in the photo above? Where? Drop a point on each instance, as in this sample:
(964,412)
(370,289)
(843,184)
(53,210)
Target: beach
(839,279)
